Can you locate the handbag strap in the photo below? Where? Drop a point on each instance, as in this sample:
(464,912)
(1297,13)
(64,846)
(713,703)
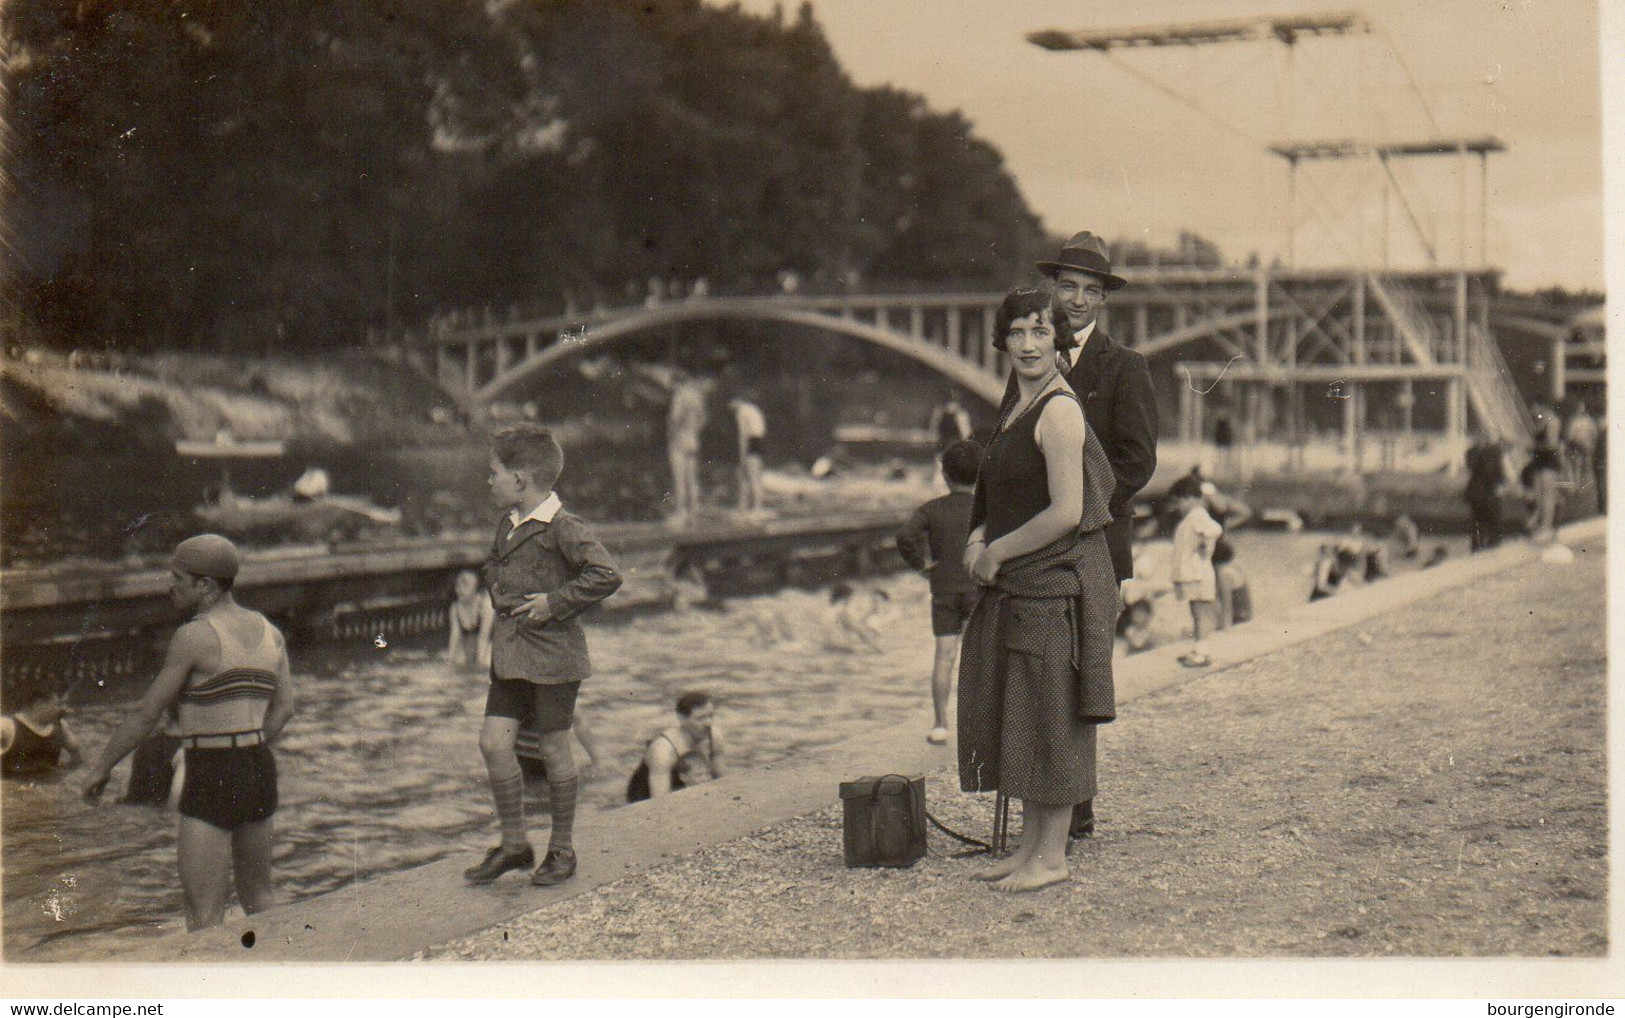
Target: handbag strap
(980,845)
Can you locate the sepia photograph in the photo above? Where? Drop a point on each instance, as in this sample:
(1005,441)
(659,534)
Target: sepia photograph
(1062,499)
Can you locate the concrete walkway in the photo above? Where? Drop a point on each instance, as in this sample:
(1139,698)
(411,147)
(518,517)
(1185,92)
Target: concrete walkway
(769,815)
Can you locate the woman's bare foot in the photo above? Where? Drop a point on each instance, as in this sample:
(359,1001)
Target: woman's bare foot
(1001,868)
(1032,878)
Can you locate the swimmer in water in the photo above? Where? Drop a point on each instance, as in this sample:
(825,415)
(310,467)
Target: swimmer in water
(228,668)
(34,741)
(860,615)
(469,622)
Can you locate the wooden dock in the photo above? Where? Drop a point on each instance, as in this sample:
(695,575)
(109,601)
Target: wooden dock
(101,620)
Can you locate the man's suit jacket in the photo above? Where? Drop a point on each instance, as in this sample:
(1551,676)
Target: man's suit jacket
(1114,384)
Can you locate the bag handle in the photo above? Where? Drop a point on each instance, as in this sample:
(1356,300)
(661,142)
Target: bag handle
(978,844)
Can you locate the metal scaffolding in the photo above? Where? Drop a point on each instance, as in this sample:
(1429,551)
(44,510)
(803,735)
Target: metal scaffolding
(1380,338)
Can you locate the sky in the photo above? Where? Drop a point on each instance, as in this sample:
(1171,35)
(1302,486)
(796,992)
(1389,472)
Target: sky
(1151,142)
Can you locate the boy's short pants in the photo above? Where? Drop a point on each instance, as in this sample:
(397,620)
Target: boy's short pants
(550,707)
(950,612)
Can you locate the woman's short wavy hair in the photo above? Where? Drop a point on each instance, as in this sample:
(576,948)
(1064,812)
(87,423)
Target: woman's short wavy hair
(1030,300)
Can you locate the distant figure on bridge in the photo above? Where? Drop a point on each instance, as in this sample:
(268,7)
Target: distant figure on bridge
(933,541)
(1035,673)
(34,741)
(1486,476)
(949,423)
(1114,386)
(544,569)
(752,428)
(469,622)
(228,668)
(684,423)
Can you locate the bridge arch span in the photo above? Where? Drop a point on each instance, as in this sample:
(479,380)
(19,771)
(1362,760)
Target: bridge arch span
(972,377)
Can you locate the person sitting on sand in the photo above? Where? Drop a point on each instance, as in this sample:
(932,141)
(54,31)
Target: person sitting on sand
(1328,573)
(1134,626)
(1407,537)
(34,741)
(686,754)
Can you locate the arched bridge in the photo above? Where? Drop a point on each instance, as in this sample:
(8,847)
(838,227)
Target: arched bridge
(1267,329)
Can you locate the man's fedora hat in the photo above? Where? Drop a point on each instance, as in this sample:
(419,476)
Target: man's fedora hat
(1085,252)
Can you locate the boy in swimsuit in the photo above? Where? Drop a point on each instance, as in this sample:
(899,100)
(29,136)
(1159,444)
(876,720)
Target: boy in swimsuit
(544,570)
(933,541)
(228,668)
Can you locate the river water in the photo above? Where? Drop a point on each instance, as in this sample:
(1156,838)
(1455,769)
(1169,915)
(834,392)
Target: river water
(380,770)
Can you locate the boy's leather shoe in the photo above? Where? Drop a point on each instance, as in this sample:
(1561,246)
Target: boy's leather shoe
(498,862)
(557,866)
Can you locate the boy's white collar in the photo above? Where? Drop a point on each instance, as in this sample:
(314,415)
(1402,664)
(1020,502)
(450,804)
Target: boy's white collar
(541,514)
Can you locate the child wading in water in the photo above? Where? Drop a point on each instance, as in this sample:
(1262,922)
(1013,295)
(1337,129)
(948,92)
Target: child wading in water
(1192,569)
(934,540)
(469,622)
(544,569)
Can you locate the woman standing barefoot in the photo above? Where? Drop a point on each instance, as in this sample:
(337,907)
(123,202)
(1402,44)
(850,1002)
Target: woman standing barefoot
(1035,678)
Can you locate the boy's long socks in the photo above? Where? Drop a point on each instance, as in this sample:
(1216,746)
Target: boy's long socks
(562,800)
(508,789)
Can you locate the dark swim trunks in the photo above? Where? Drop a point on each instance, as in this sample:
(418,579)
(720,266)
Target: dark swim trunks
(230,787)
(950,611)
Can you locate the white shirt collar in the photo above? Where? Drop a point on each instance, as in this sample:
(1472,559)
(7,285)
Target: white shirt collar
(541,514)
(1082,336)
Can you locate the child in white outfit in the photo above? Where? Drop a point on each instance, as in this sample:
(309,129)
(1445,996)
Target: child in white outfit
(1192,571)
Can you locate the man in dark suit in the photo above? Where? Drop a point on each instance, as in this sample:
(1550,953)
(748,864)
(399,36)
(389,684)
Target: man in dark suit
(1114,385)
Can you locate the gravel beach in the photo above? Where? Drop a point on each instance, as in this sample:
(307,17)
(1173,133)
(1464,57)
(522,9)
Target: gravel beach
(1430,783)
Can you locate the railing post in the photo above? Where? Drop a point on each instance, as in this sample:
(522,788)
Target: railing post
(472,377)
(954,337)
(916,322)
(1261,316)
(1359,320)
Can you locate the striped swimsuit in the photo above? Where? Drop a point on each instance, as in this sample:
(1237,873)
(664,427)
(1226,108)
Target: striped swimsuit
(229,786)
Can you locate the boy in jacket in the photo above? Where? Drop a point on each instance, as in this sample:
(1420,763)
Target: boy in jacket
(544,569)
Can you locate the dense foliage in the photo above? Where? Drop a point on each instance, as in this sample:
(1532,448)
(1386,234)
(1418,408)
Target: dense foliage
(238,175)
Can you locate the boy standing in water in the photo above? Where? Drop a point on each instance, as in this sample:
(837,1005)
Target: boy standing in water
(934,539)
(544,569)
